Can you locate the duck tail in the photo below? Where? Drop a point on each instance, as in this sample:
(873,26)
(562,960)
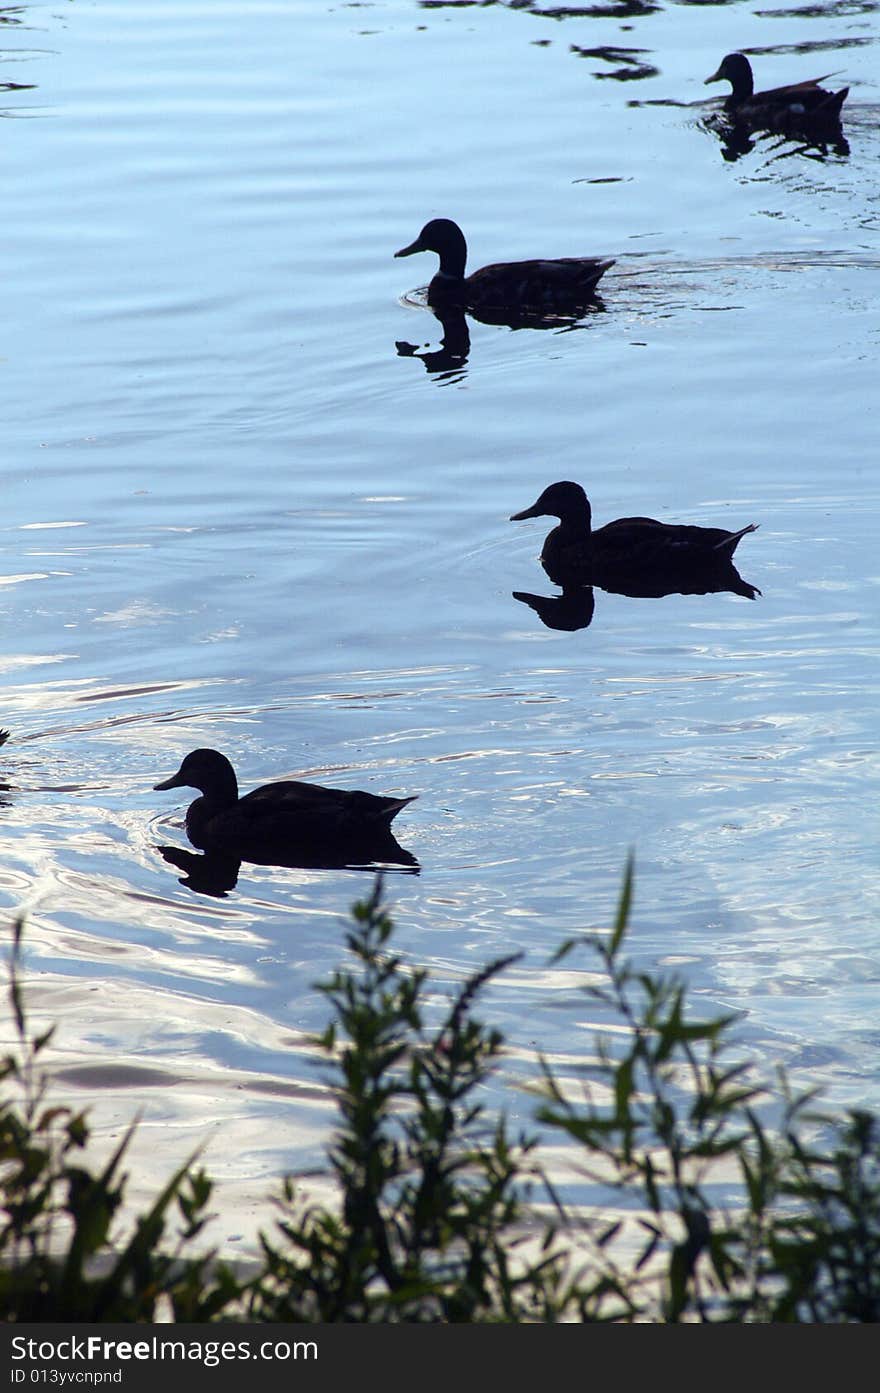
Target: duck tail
(730,543)
(392,806)
(834,103)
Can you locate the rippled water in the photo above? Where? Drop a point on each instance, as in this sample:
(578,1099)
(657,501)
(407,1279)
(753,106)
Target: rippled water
(247,505)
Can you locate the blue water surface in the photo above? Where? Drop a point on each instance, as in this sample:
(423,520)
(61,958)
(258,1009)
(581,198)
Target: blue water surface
(246,505)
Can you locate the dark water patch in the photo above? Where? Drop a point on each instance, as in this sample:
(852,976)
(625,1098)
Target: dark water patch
(277,1088)
(633,67)
(624,9)
(111,1076)
(812,46)
(834,9)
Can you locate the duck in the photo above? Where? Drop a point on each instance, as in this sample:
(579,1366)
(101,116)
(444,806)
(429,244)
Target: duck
(546,285)
(278,817)
(625,545)
(799,105)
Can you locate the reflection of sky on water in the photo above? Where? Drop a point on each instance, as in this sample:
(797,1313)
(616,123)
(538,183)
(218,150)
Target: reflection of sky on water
(233,516)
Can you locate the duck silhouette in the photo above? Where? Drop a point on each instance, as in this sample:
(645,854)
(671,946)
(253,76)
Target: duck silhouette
(640,552)
(284,823)
(545,287)
(800,107)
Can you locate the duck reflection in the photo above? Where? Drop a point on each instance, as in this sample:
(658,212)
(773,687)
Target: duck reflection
(215,873)
(571,316)
(653,576)
(455,345)
(574,608)
(4,787)
(571,610)
(738,138)
(449,360)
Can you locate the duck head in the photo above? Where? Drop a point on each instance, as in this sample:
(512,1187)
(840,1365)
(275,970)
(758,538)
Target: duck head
(565,500)
(736,69)
(209,772)
(443,236)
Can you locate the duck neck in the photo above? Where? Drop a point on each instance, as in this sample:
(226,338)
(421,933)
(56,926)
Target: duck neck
(453,256)
(224,789)
(219,798)
(742,86)
(577,523)
(198,815)
(221,791)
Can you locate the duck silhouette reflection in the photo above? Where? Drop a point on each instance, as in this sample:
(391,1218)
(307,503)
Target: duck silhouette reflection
(216,873)
(686,576)
(571,610)
(455,345)
(4,787)
(451,357)
(288,823)
(575,607)
(738,138)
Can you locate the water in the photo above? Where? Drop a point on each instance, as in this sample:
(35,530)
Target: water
(241,511)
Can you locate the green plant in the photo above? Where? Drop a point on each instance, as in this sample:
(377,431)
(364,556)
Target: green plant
(672,1130)
(823,1250)
(711,1212)
(430,1221)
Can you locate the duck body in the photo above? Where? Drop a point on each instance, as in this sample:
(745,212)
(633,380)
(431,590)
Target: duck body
(799,107)
(627,547)
(278,817)
(547,286)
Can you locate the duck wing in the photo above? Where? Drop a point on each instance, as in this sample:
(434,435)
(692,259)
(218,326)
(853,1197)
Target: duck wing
(631,540)
(799,104)
(546,284)
(809,84)
(627,536)
(291,804)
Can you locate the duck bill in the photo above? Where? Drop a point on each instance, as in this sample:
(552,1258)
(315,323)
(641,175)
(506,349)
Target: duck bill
(533,512)
(716,77)
(413,247)
(174,782)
